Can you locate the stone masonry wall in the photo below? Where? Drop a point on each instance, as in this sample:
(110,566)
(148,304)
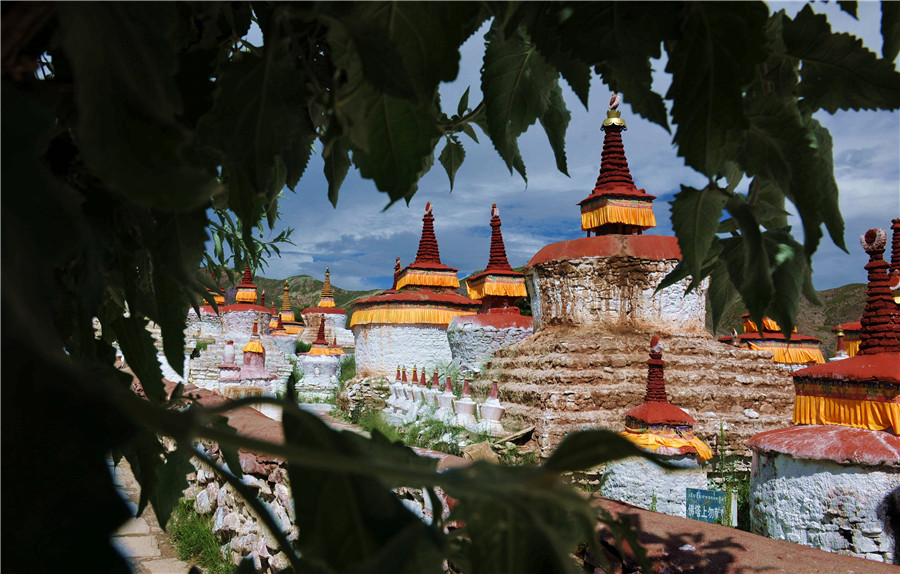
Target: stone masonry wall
(380,348)
(471,345)
(563,379)
(234,522)
(834,507)
(640,482)
(595,290)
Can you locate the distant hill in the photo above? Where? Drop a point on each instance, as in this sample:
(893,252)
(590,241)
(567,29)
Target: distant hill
(305,290)
(840,305)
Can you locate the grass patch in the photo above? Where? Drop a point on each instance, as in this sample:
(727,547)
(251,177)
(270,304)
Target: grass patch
(194,539)
(348,369)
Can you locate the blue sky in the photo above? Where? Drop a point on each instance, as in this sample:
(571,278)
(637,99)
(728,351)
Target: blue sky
(359,241)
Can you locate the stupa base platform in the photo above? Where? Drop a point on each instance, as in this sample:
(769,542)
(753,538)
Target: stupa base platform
(565,379)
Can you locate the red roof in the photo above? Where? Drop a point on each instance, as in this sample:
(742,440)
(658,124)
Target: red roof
(418,296)
(880,367)
(239,307)
(843,445)
(854,326)
(655,247)
(329,310)
(656,408)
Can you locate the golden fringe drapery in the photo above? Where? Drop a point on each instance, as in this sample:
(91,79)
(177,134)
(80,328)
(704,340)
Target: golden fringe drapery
(629,213)
(292,329)
(427,279)
(852,347)
(326,351)
(323,302)
(872,415)
(254,346)
(287,316)
(768,325)
(789,354)
(245,296)
(511,288)
(651,441)
(408,315)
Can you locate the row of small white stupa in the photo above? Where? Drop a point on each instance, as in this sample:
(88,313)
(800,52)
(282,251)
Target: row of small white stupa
(416,401)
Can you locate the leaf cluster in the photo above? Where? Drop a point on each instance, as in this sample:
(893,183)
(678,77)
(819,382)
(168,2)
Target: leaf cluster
(145,119)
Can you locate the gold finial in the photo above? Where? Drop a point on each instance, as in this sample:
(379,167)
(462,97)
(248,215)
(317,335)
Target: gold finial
(613,115)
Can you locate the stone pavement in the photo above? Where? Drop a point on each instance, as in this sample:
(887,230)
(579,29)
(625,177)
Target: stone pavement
(141,540)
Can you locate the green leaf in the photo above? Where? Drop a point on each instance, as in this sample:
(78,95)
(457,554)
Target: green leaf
(463,103)
(470,131)
(162,475)
(407,48)
(337,164)
(516,83)
(587,449)
(452,157)
(748,266)
(890,30)
(257,119)
(720,47)
(722,294)
(695,219)
(838,73)
(124,57)
(347,519)
(140,352)
(848,6)
(790,269)
(555,121)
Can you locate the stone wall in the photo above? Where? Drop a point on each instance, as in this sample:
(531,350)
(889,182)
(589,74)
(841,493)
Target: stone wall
(820,503)
(594,290)
(471,344)
(381,348)
(564,379)
(204,370)
(235,524)
(639,482)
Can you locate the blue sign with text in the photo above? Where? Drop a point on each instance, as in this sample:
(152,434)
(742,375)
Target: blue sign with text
(705,505)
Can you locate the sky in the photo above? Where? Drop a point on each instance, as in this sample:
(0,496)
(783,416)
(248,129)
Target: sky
(359,241)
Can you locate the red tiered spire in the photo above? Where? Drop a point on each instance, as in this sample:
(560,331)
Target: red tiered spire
(434,380)
(448,386)
(616,205)
(428,247)
(840,348)
(320,336)
(497,260)
(895,246)
(495,391)
(403,378)
(881,319)
(656,408)
(248,277)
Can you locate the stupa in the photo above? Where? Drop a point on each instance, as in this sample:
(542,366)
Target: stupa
(801,350)
(320,366)
(409,324)
(612,276)
(335,318)
(848,336)
(238,317)
(474,338)
(595,305)
(658,426)
(291,325)
(828,481)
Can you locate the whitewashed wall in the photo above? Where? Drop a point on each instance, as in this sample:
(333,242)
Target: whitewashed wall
(381,348)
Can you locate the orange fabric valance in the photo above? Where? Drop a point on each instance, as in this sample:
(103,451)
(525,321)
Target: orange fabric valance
(872,415)
(511,288)
(789,354)
(651,441)
(627,212)
(407,316)
(427,279)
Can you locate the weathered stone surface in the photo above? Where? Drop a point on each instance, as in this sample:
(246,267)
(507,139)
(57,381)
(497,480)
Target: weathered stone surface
(568,378)
(380,348)
(844,445)
(821,503)
(473,339)
(583,288)
(640,482)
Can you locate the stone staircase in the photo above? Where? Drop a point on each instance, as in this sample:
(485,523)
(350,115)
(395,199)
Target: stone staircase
(571,378)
